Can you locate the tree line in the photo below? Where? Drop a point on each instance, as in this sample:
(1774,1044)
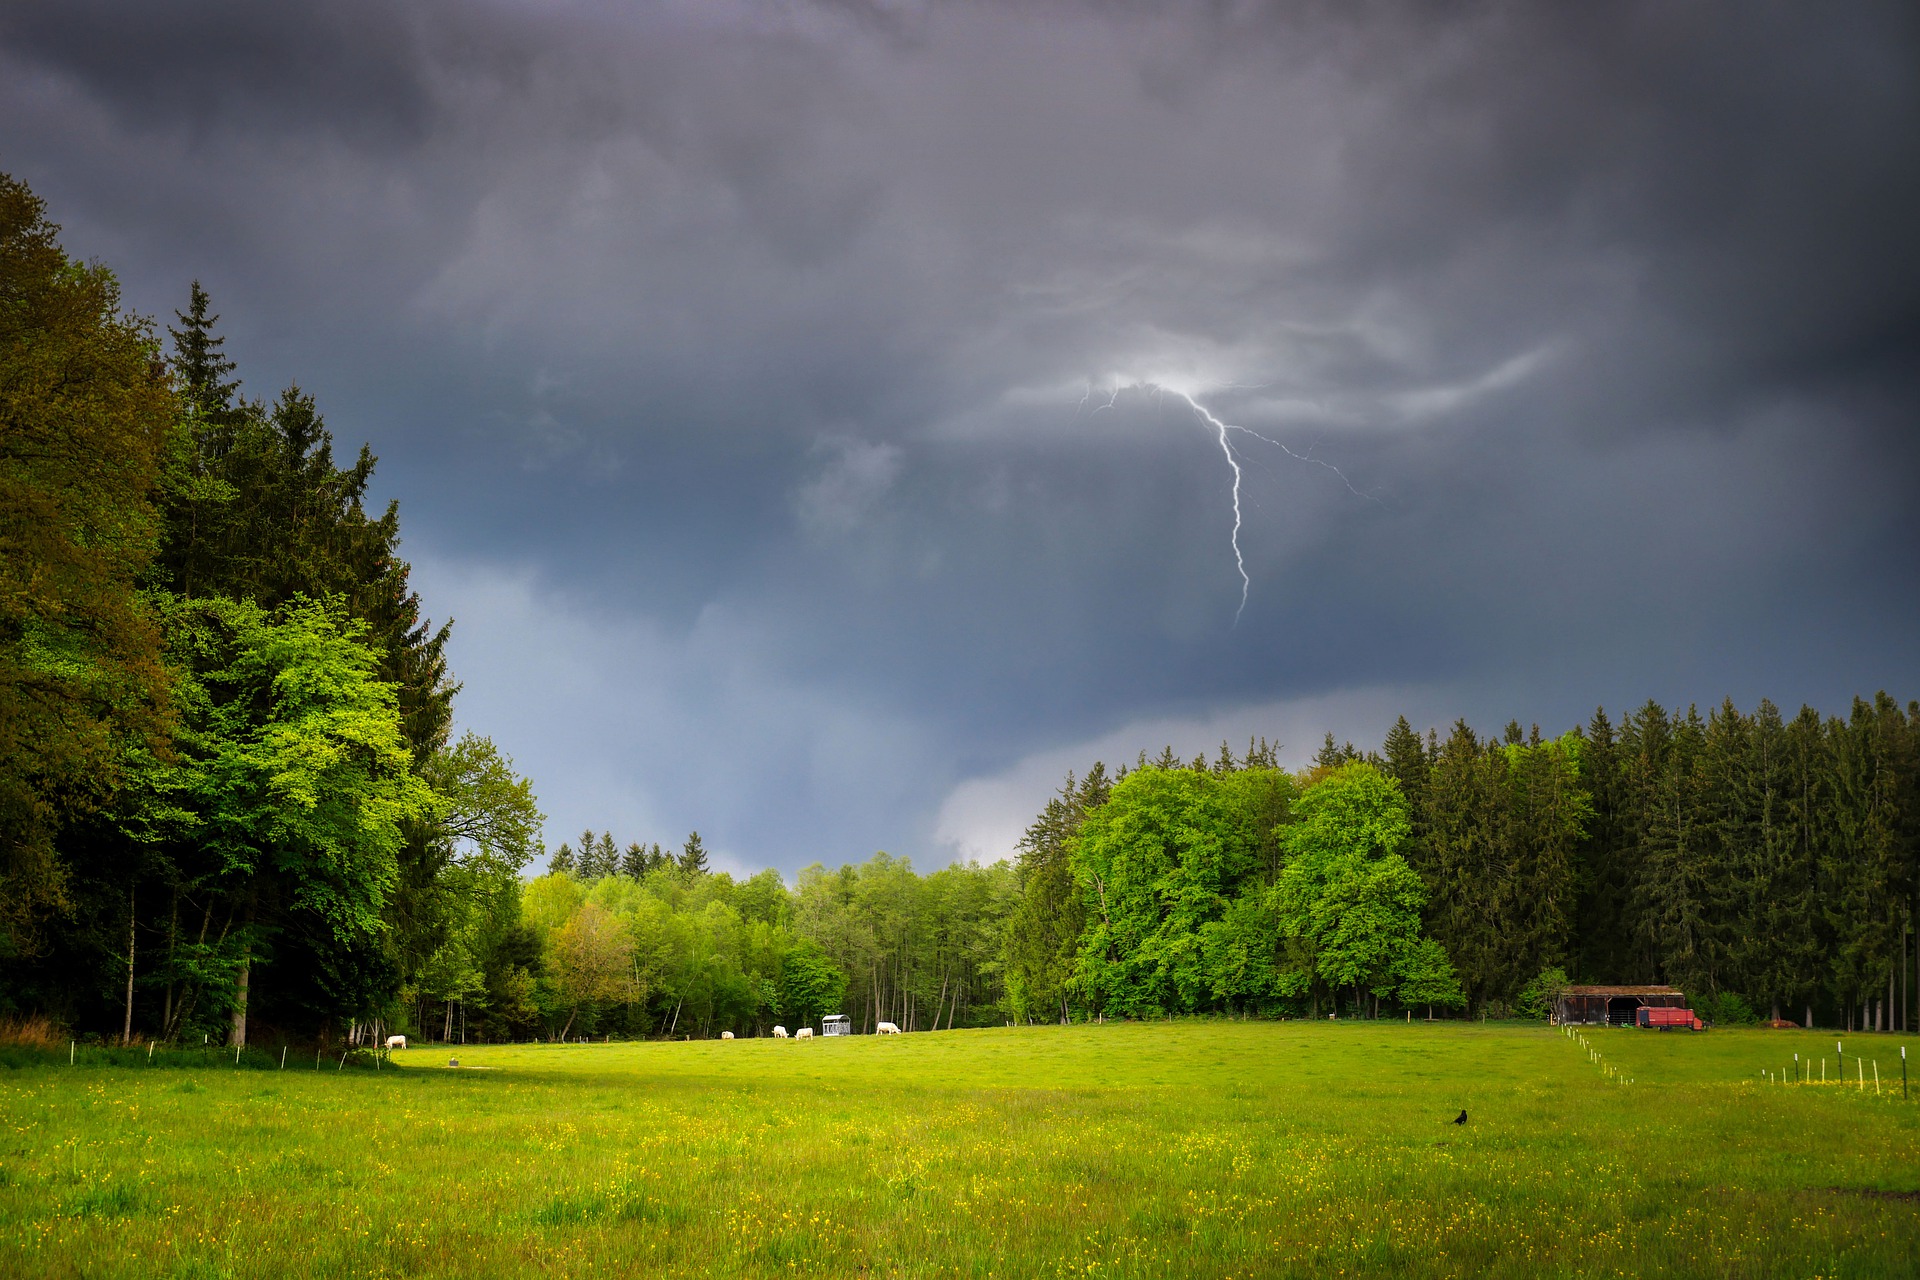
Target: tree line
(660,945)
(228,790)
(1767,866)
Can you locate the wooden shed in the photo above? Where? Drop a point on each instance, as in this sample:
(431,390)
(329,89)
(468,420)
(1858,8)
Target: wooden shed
(1612,1006)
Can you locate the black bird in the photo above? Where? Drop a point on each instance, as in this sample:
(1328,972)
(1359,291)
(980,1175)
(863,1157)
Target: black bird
(1461,1118)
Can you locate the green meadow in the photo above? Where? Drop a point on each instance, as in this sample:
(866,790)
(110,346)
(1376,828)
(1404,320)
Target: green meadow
(1202,1148)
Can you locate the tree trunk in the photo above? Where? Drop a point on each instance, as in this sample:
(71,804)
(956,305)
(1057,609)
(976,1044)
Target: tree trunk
(576,1009)
(126,1030)
(238,1036)
(173,930)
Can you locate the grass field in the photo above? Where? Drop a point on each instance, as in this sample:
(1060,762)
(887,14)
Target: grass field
(1193,1148)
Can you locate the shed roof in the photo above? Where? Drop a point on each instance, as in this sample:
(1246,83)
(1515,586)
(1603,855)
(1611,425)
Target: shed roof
(1621,991)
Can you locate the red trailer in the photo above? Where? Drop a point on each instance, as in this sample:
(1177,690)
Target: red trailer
(1668,1019)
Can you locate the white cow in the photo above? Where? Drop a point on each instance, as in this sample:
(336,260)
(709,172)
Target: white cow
(726,1035)
(779,1033)
(804,1033)
(886,1029)
(396,1042)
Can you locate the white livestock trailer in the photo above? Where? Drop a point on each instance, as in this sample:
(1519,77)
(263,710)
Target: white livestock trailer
(836,1024)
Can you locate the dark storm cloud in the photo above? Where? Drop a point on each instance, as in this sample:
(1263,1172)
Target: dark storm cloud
(747,371)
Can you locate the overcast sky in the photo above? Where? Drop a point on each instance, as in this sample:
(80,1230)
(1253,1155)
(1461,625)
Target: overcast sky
(803,409)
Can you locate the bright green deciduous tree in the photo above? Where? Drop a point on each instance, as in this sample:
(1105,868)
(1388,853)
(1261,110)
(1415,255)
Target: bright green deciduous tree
(297,766)
(489,813)
(810,984)
(1348,903)
(1157,865)
(592,960)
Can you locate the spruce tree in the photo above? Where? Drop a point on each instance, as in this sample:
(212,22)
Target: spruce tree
(1671,891)
(200,363)
(1042,934)
(1548,815)
(1778,952)
(693,856)
(1729,847)
(1599,948)
(1464,912)
(1332,755)
(1405,761)
(633,862)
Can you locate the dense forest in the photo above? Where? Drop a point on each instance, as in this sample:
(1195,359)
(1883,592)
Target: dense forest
(1767,866)
(232,806)
(227,791)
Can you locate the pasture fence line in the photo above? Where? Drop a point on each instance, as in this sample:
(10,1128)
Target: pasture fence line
(1801,1073)
(1608,1071)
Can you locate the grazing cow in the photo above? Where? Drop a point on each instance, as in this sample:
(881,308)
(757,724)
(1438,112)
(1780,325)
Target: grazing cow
(726,1035)
(804,1033)
(886,1029)
(779,1033)
(396,1042)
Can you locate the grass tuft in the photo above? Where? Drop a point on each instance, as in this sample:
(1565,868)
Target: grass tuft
(32,1031)
(115,1200)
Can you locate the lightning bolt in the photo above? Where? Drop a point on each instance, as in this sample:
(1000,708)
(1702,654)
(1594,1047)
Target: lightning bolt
(1221,429)
(1308,457)
(1226,447)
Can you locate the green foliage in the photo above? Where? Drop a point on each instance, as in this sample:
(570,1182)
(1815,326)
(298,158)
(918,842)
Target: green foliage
(1728,1009)
(811,985)
(1156,865)
(1537,998)
(1348,904)
(1426,977)
(1043,931)
(592,959)
(83,418)
(487,811)
(294,757)
(244,791)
